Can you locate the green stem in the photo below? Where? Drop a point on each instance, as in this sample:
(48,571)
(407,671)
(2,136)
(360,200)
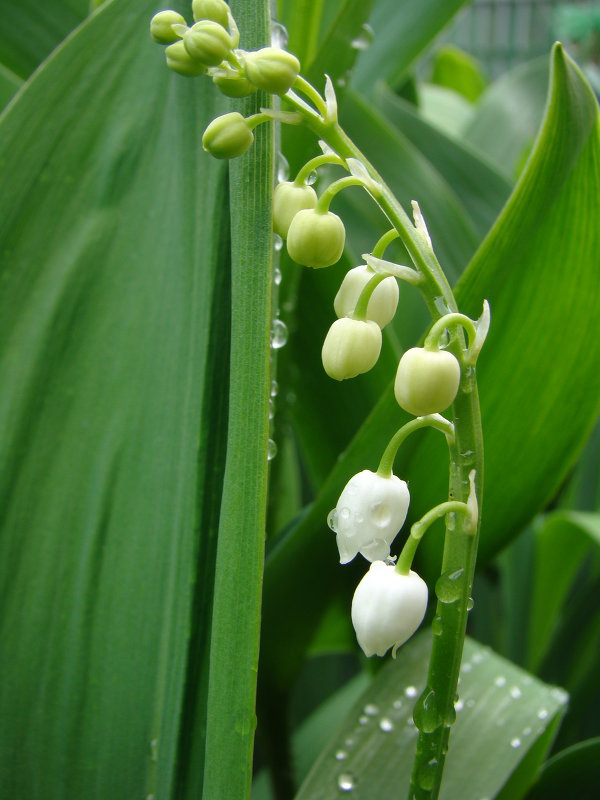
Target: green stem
(434,713)
(308,90)
(333,189)
(360,310)
(436,421)
(382,244)
(313,164)
(419,528)
(449,321)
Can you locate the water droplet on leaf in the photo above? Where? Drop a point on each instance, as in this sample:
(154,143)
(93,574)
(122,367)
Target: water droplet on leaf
(279,334)
(346,782)
(279,35)
(271,450)
(448,587)
(364,39)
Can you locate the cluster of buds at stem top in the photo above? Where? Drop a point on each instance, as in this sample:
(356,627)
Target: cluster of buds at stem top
(210,47)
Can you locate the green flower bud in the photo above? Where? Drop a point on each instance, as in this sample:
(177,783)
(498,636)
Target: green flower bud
(207,42)
(316,240)
(227,136)
(351,347)
(160,26)
(288,200)
(272,69)
(427,381)
(382,303)
(233,85)
(180,61)
(211,9)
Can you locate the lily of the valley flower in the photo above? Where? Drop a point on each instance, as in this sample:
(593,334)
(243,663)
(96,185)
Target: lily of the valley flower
(387,608)
(370,512)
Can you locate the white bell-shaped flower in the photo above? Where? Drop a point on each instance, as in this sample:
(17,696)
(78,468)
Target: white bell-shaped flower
(370,512)
(387,608)
(382,303)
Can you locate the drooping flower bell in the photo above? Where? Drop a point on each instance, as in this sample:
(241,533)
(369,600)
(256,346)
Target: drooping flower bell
(427,381)
(288,200)
(382,303)
(217,10)
(271,69)
(316,239)
(160,26)
(351,348)
(368,515)
(207,42)
(387,608)
(227,136)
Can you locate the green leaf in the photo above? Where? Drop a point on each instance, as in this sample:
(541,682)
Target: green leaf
(561,542)
(115,325)
(30,30)
(401,32)
(517,96)
(574,772)
(457,70)
(9,85)
(501,711)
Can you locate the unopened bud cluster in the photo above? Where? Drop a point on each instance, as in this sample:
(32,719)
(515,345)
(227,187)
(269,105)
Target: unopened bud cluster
(210,47)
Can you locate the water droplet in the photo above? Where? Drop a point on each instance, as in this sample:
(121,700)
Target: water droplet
(426,775)
(410,691)
(436,626)
(271,408)
(282,168)
(277,276)
(500,681)
(279,334)
(515,743)
(311,179)
(515,692)
(346,782)
(345,514)
(362,720)
(332,519)
(478,657)
(542,714)
(427,714)
(279,35)
(349,742)
(397,703)
(381,514)
(274,388)
(448,586)
(271,450)
(459,705)
(470,604)
(467,667)
(364,39)
(527,731)
(386,724)
(341,755)
(370,709)
(277,246)
(154,749)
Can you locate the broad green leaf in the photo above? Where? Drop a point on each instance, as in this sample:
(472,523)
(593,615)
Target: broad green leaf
(538,268)
(505,721)
(30,30)
(9,85)
(115,327)
(517,96)
(445,109)
(401,32)
(561,542)
(574,772)
(459,71)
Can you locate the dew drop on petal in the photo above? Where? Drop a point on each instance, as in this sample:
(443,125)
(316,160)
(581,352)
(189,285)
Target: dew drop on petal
(332,519)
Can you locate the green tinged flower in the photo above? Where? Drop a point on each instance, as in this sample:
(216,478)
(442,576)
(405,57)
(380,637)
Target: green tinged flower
(227,136)
(426,381)
(180,61)
(272,69)
(211,9)
(160,26)
(288,200)
(208,42)
(382,303)
(351,347)
(232,84)
(316,239)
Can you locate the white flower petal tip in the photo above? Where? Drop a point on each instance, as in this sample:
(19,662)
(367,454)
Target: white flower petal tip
(370,512)
(387,608)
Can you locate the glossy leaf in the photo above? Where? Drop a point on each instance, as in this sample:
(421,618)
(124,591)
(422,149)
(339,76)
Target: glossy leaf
(501,710)
(401,32)
(115,326)
(574,772)
(30,30)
